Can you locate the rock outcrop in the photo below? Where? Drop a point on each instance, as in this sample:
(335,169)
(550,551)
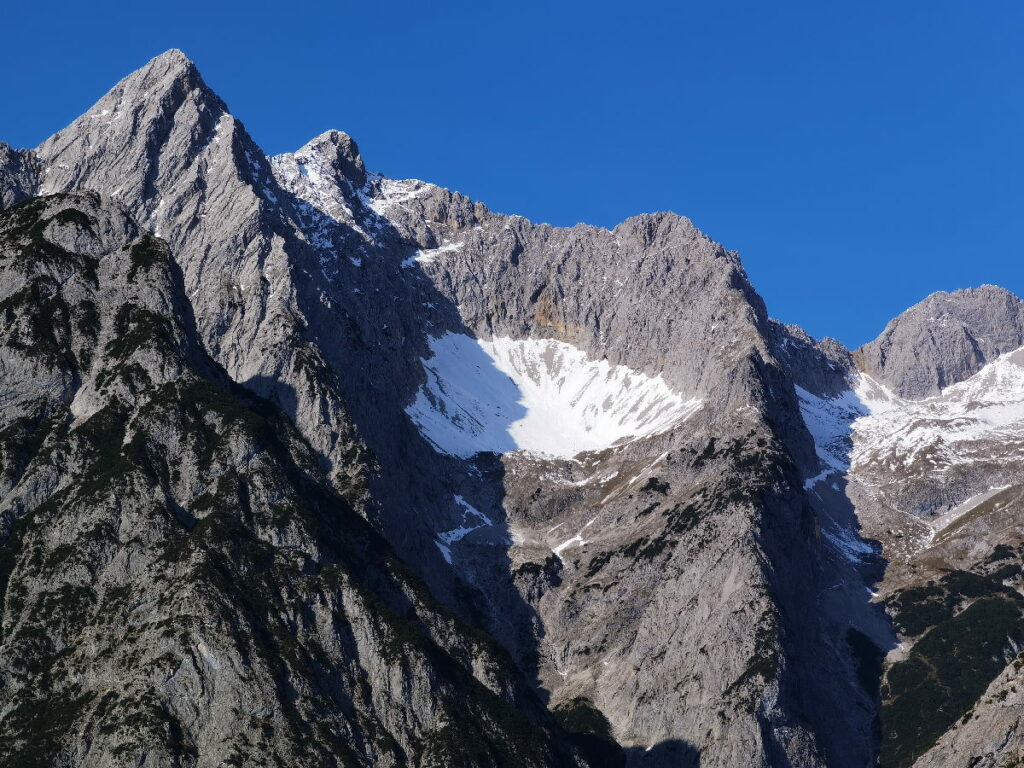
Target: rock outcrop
(181,583)
(945,339)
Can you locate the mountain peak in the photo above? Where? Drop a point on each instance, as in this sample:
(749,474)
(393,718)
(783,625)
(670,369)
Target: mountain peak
(945,339)
(155,90)
(160,116)
(168,67)
(172,72)
(340,152)
(172,62)
(175,55)
(982,295)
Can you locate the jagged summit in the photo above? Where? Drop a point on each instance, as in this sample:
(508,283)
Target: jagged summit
(166,82)
(141,136)
(172,56)
(170,64)
(340,152)
(649,224)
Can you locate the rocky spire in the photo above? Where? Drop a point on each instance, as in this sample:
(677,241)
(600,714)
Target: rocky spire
(147,130)
(163,144)
(340,152)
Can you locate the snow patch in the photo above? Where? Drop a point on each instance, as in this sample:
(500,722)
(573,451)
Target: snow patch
(396,192)
(948,429)
(446,539)
(537,395)
(429,256)
(848,544)
(872,432)
(575,540)
(830,422)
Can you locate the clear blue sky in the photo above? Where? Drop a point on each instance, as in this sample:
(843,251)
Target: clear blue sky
(859,155)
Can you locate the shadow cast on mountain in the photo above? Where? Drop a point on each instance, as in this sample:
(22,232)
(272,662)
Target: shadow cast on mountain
(466,405)
(439,488)
(374,319)
(860,629)
(672,753)
(602,752)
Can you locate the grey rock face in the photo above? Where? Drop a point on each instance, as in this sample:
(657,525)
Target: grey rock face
(677,595)
(944,339)
(19,175)
(657,551)
(163,145)
(463,268)
(181,584)
(823,367)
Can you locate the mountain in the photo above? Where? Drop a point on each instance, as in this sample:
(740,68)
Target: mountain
(302,465)
(945,339)
(182,584)
(926,445)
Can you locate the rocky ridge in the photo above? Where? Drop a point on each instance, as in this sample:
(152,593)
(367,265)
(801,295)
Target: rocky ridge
(178,572)
(699,595)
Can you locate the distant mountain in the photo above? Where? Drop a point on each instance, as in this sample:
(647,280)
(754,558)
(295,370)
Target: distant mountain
(945,339)
(304,465)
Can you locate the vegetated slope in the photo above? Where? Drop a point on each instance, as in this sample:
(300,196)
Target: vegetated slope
(181,585)
(964,631)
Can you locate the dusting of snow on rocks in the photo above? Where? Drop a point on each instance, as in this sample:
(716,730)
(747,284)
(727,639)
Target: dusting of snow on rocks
(397,191)
(939,432)
(869,425)
(429,256)
(830,422)
(472,519)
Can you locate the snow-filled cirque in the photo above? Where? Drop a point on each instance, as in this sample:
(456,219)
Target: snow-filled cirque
(537,395)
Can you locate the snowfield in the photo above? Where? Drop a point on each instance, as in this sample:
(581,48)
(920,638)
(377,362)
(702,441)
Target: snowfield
(869,426)
(887,443)
(955,427)
(537,395)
